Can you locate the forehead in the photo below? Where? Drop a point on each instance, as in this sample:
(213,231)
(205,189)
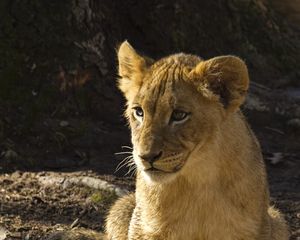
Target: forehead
(166,83)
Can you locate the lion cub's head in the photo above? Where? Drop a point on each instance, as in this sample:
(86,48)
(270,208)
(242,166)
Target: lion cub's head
(176,104)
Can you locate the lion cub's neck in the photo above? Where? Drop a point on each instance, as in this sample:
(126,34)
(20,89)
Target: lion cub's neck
(174,210)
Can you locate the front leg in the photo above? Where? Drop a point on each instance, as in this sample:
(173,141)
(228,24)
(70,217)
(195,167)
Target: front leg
(135,231)
(118,219)
(138,230)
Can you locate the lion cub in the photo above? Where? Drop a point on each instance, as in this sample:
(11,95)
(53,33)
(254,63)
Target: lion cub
(200,172)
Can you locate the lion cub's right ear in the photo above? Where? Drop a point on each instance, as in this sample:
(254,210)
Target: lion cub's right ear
(132,66)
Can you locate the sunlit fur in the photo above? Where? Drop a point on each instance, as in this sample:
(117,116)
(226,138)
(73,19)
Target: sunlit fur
(212,180)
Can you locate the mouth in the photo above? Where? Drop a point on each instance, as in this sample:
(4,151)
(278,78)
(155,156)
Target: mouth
(169,164)
(154,170)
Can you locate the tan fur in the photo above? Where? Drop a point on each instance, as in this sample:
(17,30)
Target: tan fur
(211,180)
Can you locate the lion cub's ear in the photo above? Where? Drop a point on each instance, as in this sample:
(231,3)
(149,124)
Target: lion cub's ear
(131,69)
(224,79)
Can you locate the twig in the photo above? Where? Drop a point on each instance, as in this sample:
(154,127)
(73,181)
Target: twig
(275,130)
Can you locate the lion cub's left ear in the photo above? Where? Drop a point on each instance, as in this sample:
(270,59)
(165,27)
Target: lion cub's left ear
(224,79)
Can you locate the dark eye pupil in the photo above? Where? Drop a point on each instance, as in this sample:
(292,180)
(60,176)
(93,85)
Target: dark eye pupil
(139,112)
(178,115)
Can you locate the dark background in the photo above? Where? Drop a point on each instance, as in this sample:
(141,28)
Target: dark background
(58,64)
(60,109)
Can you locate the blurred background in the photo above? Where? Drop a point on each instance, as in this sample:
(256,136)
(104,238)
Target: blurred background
(61,113)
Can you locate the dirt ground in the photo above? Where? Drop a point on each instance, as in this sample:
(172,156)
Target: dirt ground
(30,209)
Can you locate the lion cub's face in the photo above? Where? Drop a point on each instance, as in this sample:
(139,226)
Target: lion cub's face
(175,105)
(166,122)
(168,119)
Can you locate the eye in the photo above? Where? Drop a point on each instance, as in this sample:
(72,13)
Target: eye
(138,113)
(179,116)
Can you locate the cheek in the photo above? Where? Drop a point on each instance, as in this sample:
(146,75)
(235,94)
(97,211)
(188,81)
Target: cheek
(135,133)
(134,124)
(178,139)
(196,131)
(134,137)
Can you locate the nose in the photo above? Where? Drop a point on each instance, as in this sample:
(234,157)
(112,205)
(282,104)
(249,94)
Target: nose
(151,157)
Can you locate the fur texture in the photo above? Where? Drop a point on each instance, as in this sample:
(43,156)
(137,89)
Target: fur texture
(201,177)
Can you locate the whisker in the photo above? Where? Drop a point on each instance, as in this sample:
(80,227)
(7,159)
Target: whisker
(126,147)
(133,172)
(124,162)
(132,167)
(127,161)
(129,164)
(130,170)
(119,153)
(120,166)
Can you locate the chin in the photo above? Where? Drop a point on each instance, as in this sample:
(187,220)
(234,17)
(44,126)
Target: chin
(158,177)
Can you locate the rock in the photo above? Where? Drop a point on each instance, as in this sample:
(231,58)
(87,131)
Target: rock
(64,123)
(294,123)
(91,182)
(11,155)
(297,112)
(3,233)
(76,234)
(255,103)
(276,158)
